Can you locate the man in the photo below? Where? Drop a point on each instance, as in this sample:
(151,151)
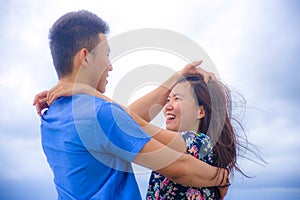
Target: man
(90,142)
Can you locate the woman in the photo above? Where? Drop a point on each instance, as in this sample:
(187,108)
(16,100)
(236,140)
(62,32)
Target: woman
(205,127)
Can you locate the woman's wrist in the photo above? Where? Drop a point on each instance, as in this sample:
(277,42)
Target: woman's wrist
(170,82)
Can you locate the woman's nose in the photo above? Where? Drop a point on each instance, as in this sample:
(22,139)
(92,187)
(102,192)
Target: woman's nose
(169,106)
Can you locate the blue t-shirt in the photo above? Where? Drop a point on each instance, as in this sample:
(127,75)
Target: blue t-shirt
(90,144)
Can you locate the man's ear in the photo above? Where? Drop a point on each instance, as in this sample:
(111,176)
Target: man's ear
(201,113)
(83,56)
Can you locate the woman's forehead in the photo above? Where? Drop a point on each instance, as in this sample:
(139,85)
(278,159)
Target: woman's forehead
(183,88)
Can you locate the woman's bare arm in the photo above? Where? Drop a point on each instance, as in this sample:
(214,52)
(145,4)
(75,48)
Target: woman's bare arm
(148,106)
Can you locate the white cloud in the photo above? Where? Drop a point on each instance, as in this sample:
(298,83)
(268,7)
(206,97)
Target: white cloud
(22,158)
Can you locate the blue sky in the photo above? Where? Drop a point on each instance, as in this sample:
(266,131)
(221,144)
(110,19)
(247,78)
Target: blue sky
(255,46)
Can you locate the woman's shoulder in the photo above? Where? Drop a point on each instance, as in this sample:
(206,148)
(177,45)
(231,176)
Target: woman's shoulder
(199,145)
(193,135)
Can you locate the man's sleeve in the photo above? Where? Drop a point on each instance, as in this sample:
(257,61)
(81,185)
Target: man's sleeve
(123,136)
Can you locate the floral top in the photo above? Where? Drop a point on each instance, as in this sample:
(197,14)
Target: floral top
(160,188)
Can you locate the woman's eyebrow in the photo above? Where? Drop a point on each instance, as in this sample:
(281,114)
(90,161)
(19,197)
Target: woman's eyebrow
(178,94)
(175,95)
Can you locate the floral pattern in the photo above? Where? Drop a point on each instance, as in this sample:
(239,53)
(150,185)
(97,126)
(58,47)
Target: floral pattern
(160,188)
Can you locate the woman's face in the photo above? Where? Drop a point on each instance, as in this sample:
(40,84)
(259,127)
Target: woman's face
(181,111)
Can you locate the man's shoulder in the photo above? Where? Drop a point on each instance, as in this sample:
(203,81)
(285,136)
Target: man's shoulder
(88,103)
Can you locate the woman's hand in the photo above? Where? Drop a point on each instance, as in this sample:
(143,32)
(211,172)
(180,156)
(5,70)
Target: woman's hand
(40,102)
(193,68)
(68,89)
(44,99)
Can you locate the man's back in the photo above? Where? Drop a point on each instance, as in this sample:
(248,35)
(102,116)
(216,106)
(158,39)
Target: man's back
(88,152)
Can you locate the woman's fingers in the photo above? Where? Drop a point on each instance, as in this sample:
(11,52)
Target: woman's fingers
(40,105)
(196,63)
(53,94)
(40,102)
(40,95)
(61,89)
(212,76)
(206,75)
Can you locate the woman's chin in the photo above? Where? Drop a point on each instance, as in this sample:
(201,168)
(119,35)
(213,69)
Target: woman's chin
(171,128)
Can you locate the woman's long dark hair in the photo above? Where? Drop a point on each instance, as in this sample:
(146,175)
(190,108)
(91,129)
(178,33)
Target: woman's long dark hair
(218,121)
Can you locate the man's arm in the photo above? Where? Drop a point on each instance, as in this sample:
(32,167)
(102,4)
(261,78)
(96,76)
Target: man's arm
(180,167)
(165,154)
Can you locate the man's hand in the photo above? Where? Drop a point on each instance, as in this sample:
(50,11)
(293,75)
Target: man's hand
(223,192)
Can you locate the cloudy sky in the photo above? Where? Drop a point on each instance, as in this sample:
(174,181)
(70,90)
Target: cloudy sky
(254,45)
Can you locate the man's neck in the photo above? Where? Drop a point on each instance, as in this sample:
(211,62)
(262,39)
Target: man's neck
(69,78)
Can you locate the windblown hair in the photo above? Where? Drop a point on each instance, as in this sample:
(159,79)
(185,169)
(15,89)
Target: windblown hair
(218,121)
(72,32)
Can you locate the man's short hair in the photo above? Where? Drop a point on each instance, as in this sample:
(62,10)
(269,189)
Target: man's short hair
(72,32)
